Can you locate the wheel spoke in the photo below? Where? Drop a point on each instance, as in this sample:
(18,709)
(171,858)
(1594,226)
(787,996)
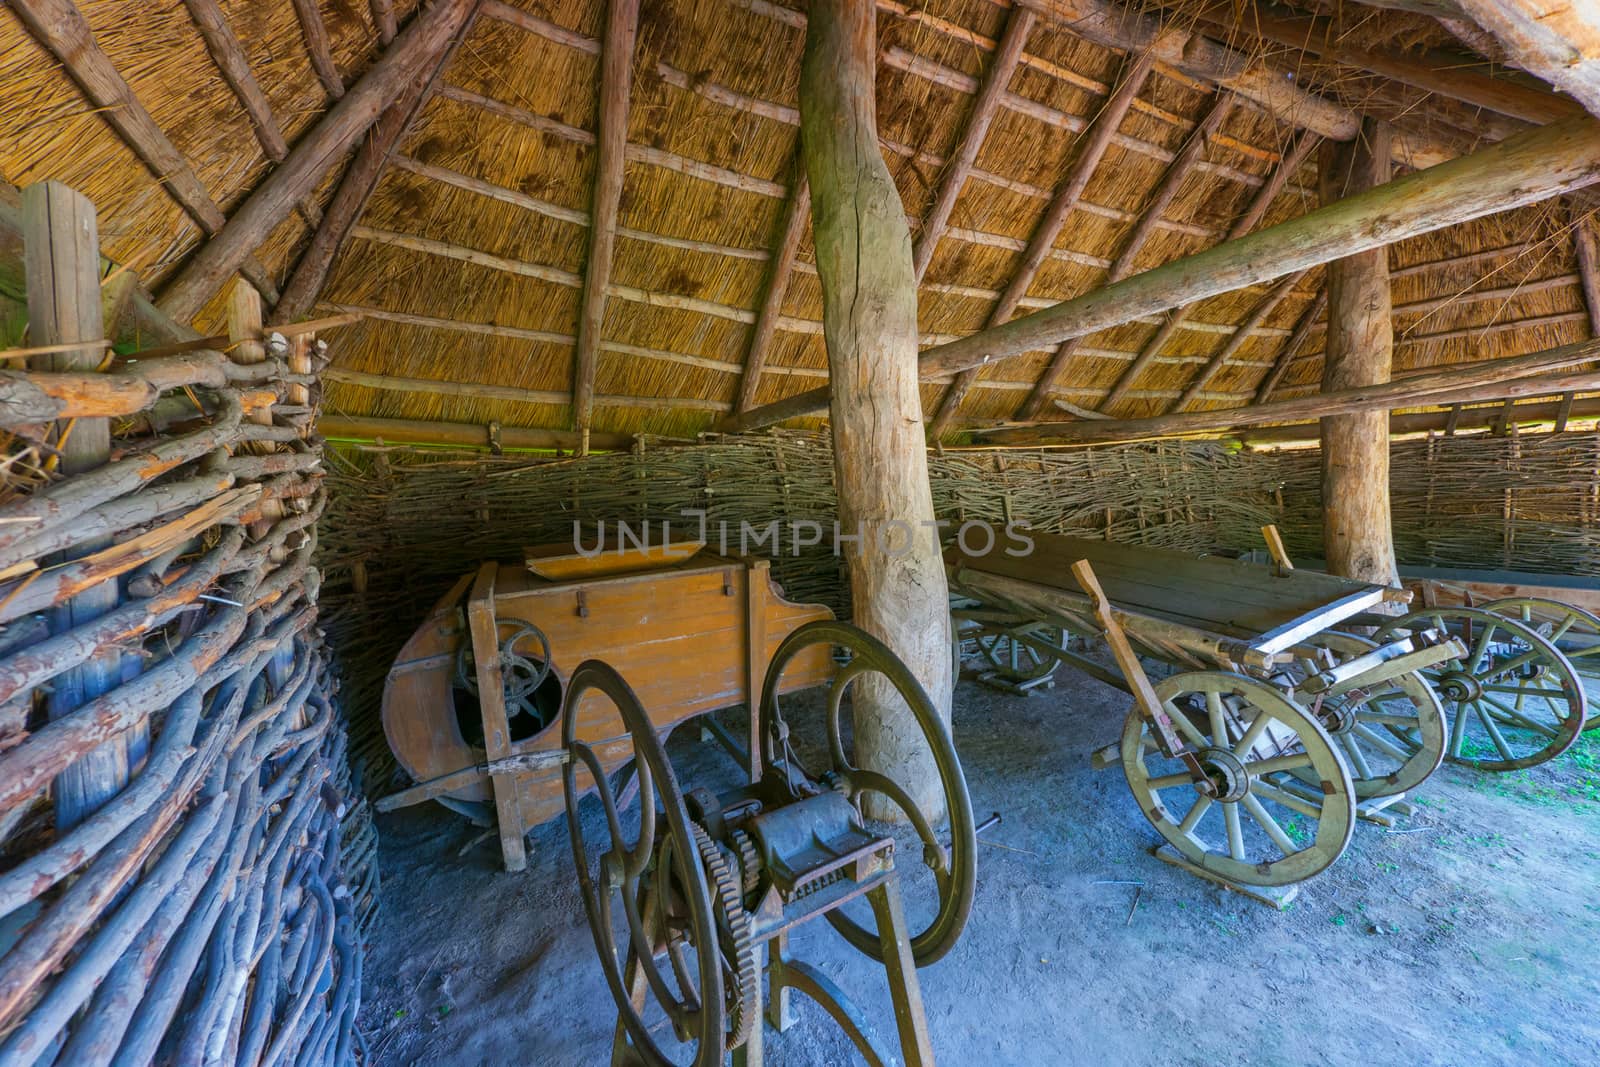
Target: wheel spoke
(1230,813)
(1458,729)
(1475,657)
(1268,791)
(1518,718)
(1252,735)
(1381,743)
(1260,768)
(1170,781)
(1265,820)
(1219,727)
(1358,759)
(1201,805)
(1384,718)
(1493,730)
(1185,727)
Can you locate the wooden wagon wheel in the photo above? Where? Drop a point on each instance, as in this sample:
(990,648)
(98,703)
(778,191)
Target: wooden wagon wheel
(1362,724)
(1514,700)
(800,765)
(1574,631)
(1255,828)
(1020,653)
(654,874)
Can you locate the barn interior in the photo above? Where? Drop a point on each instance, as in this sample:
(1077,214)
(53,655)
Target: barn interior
(512,509)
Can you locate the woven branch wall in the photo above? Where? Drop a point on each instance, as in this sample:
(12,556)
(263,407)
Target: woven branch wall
(176,854)
(402,525)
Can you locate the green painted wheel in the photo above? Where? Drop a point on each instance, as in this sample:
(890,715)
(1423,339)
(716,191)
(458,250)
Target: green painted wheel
(1513,700)
(1575,632)
(1258,825)
(1362,724)
(1019,653)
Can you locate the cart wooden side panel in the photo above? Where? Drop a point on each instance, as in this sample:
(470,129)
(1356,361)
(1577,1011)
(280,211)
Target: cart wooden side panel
(679,635)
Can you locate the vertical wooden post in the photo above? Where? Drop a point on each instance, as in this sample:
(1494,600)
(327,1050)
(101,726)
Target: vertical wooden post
(869,320)
(62,263)
(484,634)
(1357,534)
(757,574)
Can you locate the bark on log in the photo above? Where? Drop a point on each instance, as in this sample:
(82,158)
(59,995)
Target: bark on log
(1525,169)
(1358,535)
(1560,42)
(870,323)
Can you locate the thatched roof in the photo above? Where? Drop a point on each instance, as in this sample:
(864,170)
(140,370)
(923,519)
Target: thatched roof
(469,258)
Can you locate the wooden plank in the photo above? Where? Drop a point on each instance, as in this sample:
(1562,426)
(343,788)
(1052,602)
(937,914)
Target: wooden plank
(485,637)
(270,202)
(230,58)
(62,266)
(1525,169)
(616,82)
(560,562)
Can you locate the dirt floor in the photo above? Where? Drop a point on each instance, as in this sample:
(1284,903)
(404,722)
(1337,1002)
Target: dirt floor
(1469,934)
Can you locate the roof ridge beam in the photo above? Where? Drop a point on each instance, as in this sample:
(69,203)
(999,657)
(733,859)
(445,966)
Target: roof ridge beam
(1525,169)
(422,41)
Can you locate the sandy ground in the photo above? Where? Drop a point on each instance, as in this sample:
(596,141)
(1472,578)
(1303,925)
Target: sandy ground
(1468,935)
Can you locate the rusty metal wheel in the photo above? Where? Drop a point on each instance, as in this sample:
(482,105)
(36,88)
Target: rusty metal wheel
(1514,700)
(801,766)
(1251,822)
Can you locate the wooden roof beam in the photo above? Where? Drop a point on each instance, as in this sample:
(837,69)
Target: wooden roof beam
(61,28)
(1534,166)
(996,84)
(315,33)
(462,435)
(1258,317)
(349,200)
(421,44)
(1171,181)
(1557,41)
(1135,70)
(1587,252)
(230,58)
(1539,374)
(1302,330)
(383,19)
(616,83)
(796,218)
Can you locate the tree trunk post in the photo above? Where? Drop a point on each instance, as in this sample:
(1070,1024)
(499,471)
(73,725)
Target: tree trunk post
(869,317)
(1359,539)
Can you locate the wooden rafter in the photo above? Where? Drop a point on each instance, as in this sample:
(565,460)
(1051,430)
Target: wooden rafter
(1587,252)
(996,84)
(616,81)
(383,19)
(796,218)
(1068,197)
(1559,42)
(417,47)
(315,33)
(230,58)
(1171,181)
(1257,317)
(1531,167)
(61,28)
(1302,330)
(360,179)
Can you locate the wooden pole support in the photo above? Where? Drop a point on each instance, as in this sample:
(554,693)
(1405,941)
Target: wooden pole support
(485,638)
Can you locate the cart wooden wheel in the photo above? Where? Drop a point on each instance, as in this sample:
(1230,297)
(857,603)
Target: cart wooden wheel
(1020,653)
(663,912)
(1572,630)
(800,765)
(1251,822)
(1362,724)
(1514,700)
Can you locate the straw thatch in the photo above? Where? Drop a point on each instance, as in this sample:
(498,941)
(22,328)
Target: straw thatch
(471,252)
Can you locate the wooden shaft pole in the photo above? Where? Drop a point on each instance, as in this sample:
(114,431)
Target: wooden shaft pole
(62,264)
(1357,533)
(1525,169)
(869,292)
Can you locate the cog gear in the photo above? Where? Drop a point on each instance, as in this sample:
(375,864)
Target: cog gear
(739,950)
(749,862)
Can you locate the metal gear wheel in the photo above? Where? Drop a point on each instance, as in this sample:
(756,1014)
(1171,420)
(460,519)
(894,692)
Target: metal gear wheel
(743,990)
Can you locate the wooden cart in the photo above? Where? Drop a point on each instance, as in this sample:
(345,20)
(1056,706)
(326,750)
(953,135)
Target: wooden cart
(472,704)
(1251,761)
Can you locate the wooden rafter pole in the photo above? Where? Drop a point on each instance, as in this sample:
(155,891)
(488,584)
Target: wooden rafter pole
(897,577)
(1260,204)
(1358,535)
(419,45)
(616,83)
(61,28)
(383,19)
(1538,374)
(1587,250)
(1557,41)
(1291,347)
(230,58)
(1177,171)
(360,179)
(796,217)
(1258,317)
(315,32)
(1525,169)
(1093,148)
(996,84)
(1455,77)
